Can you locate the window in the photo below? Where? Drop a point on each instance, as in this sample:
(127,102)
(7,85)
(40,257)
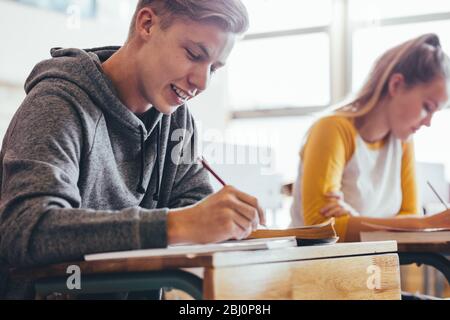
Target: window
(283,135)
(289,71)
(284,60)
(87,8)
(361,10)
(381,24)
(284,66)
(276,15)
(379,39)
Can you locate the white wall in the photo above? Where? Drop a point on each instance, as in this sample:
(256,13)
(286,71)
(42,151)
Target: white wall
(27,34)
(210,109)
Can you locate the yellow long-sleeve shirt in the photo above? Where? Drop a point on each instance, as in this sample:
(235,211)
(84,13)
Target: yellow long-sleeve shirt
(376,179)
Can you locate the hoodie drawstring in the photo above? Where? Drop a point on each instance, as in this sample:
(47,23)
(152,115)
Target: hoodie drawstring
(141,188)
(158,178)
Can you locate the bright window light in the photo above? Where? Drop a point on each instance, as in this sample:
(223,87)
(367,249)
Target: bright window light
(370,43)
(381,9)
(291,71)
(87,8)
(275,15)
(284,136)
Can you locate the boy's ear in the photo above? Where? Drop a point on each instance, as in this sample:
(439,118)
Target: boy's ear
(396,83)
(145,20)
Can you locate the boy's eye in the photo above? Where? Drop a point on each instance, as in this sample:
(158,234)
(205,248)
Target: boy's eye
(427,107)
(192,55)
(195,57)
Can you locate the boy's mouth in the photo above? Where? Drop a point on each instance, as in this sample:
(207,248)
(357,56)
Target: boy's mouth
(180,92)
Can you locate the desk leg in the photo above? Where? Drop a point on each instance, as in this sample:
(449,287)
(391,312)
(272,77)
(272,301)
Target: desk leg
(124,282)
(435,260)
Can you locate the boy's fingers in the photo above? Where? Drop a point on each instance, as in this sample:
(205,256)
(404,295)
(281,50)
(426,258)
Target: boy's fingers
(253,202)
(241,222)
(247,211)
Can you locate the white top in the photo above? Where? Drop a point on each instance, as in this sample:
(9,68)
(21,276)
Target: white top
(371,181)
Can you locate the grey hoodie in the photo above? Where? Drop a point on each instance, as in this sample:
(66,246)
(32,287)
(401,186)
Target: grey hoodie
(80,173)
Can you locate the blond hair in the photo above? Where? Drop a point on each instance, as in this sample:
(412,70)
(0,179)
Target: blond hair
(230,15)
(419,60)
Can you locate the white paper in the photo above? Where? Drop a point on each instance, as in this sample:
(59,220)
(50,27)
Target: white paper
(193,250)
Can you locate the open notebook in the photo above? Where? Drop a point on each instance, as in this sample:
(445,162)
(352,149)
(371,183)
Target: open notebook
(232,245)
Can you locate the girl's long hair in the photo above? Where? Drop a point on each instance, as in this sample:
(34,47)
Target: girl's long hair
(419,60)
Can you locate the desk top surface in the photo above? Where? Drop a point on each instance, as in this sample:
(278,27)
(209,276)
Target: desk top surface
(435,247)
(214,260)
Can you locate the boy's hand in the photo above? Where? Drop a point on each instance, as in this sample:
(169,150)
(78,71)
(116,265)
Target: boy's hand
(226,214)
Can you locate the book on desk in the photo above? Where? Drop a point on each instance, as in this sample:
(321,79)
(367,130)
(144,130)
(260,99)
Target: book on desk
(403,235)
(307,235)
(262,239)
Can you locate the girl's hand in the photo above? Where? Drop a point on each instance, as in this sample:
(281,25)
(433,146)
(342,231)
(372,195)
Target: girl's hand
(336,206)
(439,220)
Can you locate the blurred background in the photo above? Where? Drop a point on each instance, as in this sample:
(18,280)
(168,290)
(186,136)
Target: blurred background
(298,58)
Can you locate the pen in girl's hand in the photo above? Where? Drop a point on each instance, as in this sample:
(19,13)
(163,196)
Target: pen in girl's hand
(437,195)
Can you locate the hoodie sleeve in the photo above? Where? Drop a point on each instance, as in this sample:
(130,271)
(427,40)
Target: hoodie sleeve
(191,181)
(41,219)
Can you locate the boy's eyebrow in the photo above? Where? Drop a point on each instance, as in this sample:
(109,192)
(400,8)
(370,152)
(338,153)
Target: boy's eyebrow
(203,48)
(206,52)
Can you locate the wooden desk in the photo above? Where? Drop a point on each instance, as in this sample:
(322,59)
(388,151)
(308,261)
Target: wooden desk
(432,254)
(340,271)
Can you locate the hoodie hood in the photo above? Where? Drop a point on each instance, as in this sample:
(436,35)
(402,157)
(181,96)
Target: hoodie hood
(83,69)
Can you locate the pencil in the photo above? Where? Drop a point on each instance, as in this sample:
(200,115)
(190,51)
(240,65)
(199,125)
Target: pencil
(437,195)
(207,167)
